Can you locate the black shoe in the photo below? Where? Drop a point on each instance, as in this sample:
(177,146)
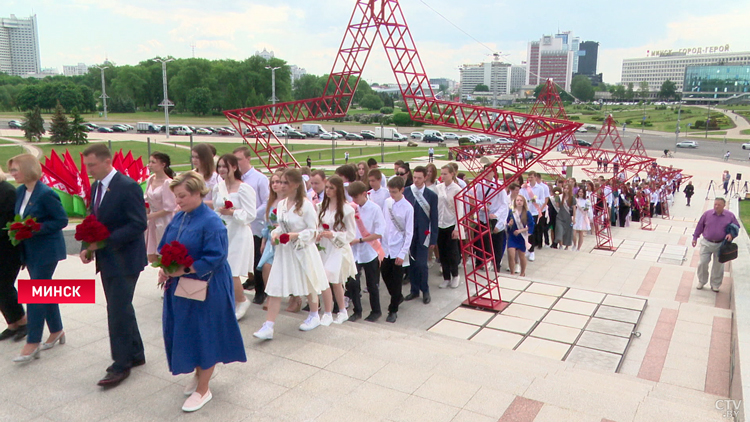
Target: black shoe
(426,298)
(411,296)
(248,285)
(405,282)
(138,362)
(554,246)
(259,298)
(20,333)
(401,300)
(113,378)
(8,333)
(392,316)
(354,317)
(306,308)
(373,317)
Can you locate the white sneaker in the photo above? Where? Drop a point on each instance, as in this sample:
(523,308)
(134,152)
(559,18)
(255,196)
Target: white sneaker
(326,319)
(347,302)
(196,401)
(265,332)
(455,281)
(341,317)
(444,284)
(518,268)
(312,322)
(241,309)
(430,263)
(531,256)
(440,270)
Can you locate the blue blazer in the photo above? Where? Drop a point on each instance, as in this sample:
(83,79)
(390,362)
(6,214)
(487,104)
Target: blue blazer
(47,246)
(422,221)
(123,212)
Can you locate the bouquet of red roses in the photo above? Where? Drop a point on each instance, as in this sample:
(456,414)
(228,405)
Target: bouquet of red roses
(92,231)
(173,256)
(20,229)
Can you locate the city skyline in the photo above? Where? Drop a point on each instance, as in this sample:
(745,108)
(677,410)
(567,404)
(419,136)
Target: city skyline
(308,34)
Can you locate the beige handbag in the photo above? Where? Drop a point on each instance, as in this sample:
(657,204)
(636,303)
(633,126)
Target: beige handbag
(191,288)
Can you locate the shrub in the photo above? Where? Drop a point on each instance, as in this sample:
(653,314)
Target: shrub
(598,118)
(629,121)
(386,110)
(464,141)
(574,118)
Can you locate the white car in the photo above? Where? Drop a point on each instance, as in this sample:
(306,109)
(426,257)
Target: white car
(687,144)
(368,132)
(451,136)
(746,145)
(416,135)
(329,136)
(203,131)
(503,141)
(581,130)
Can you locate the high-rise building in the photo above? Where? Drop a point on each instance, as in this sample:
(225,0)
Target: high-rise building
(553,57)
(709,84)
(517,78)
(495,75)
(268,55)
(77,70)
(19,46)
(297,72)
(587,57)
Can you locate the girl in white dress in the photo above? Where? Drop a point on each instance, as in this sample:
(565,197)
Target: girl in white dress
(234,201)
(582,217)
(297,268)
(337,230)
(160,201)
(203,162)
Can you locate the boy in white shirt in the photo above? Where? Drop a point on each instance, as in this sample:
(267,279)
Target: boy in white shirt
(365,246)
(377,194)
(399,230)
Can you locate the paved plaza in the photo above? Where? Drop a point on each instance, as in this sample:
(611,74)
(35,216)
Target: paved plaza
(564,350)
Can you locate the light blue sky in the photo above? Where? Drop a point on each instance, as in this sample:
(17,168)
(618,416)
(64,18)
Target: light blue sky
(308,32)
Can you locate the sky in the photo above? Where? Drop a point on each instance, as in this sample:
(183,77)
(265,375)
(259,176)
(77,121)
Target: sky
(307,33)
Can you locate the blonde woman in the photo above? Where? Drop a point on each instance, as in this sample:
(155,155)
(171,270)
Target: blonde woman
(520,224)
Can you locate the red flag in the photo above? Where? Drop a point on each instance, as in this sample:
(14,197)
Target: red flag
(56,169)
(85,183)
(117,162)
(52,179)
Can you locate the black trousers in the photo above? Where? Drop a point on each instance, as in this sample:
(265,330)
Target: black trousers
(372,278)
(9,306)
(392,276)
(124,336)
(539,228)
(260,287)
(448,251)
(624,211)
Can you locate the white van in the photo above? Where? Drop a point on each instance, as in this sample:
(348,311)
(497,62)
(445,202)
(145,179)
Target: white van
(430,132)
(183,130)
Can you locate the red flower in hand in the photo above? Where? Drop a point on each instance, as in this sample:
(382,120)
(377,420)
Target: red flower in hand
(148,206)
(273,211)
(426,232)
(33,225)
(356,216)
(228,204)
(23,233)
(16,226)
(284,238)
(326,227)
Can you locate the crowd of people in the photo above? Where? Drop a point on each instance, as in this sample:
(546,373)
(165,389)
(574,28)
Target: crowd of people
(298,234)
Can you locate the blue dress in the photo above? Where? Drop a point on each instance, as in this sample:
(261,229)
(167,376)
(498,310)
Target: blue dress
(517,241)
(201,334)
(268,252)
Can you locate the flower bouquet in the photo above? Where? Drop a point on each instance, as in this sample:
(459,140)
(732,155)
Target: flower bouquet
(173,256)
(92,231)
(20,229)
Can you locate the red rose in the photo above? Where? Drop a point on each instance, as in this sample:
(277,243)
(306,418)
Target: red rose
(426,232)
(356,216)
(16,226)
(228,204)
(326,227)
(33,225)
(23,234)
(147,205)
(284,238)
(273,211)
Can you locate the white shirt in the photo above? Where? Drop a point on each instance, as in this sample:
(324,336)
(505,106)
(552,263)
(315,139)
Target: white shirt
(447,216)
(378,196)
(259,183)
(371,216)
(346,192)
(104,186)
(538,191)
(499,206)
(461,183)
(396,244)
(25,202)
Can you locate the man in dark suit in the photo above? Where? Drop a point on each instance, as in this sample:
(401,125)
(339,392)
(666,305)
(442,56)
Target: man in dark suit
(425,203)
(117,202)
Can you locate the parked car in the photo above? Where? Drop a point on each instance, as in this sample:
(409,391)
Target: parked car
(329,136)
(117,128)
(91,126)
(341,133)
(416,135)
(746,145)
(503,141)
(451,136)
(687,144)
(433,138)
(368,135)
(353,137)
(104,130)
(293,134)
(203,131)
(363,132)
(581,130)
(14,124)
(582,143)
(225,132)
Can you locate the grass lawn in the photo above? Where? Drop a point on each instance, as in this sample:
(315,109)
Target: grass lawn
(745,132)
(6,153)
(178,155)
(662,120)
(745,215)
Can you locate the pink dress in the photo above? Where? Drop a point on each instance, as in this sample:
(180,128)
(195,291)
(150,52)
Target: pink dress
(159,198)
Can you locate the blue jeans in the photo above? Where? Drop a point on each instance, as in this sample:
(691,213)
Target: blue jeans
(38,313)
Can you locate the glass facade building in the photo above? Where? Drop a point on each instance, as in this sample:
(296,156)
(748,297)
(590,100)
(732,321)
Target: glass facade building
(715,82)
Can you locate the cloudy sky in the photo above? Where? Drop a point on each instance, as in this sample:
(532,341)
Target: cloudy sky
(308,32)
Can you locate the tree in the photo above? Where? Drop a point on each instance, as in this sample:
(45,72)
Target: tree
(199,101)
(668,90)
(581,88)
(33,125)
(78,135)
(402,119)
(60,129)
(371,102)
(643,89)
(619,92)
(629,93)
(481,88)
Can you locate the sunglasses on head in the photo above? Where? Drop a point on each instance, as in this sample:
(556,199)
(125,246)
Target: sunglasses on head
(401,174)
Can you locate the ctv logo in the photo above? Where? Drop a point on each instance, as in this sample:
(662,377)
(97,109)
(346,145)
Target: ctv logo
(730,408)
(56,291)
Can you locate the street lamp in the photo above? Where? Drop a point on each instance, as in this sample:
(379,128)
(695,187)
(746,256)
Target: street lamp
(273,87)
(708,119)
(165,102)
(104,90)
(677,131)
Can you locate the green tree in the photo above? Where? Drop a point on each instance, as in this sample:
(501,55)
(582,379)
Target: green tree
(199,101)
(33,125)
(28,98)
(619,92)
(363,90)
(60,129)
(630,93)
(481,88)
(78,135)
(668,90)
(643,89)
(581,88)
(308,86)
(371,102)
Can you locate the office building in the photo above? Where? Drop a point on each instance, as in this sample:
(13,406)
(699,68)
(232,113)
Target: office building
(268,55)
(517,78)
(715,83)
(297,72)
(587,57)
(553,57)
(495,75)
(662,65)
(19,46)
(77,70)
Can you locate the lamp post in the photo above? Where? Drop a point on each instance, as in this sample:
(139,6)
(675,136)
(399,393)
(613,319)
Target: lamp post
(677,131)
(708,119)
(165,102)
(273,87)
(104,90)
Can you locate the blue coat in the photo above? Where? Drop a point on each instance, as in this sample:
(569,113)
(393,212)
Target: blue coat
(423,222)
(123,212)
(47,246)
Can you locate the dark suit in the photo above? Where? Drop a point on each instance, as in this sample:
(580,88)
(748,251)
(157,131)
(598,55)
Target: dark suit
(123,212)
(10,258)
(42,251)
(418,274)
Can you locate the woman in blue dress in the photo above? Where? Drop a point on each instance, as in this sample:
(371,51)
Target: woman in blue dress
(199,334)
(520,224)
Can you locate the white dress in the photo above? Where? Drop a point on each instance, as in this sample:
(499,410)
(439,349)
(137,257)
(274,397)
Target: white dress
(211,184)
(583,219)
(297,268)
(337,256)
(241,244)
